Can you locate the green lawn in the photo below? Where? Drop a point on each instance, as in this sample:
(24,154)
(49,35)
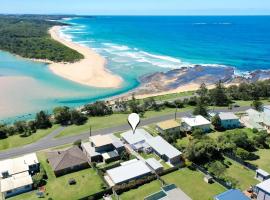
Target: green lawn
(192,183)
(173,96)
(88,182)
(142,191)
(17,140)
(264,161)
(244,176)
(248,131)
(112,121)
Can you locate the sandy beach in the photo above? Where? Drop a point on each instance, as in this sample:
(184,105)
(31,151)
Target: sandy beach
(90,71)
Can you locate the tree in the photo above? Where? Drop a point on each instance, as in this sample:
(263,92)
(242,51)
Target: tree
(217,168)
(134,105)
(216,121)
(203,93)
(261,139)
(62,115)
(98,108)
(42,120)
(3,131)
(77,117)
(201,108)
(218,95)
(202,150)
(257,105)
(198,133)
(20,126)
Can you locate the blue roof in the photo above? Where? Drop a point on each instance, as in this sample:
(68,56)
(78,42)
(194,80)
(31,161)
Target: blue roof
(232,195)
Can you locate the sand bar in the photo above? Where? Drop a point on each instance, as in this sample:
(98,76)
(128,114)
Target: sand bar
(90,71)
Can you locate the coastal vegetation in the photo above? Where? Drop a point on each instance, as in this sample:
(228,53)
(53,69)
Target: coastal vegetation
(94,115)
(27,36)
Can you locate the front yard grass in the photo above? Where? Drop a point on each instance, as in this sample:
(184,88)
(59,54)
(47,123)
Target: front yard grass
(192,183)
(17,140)
(88,182)
(142,191)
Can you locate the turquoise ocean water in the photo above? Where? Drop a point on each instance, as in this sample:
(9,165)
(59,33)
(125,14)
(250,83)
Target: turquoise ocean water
(135,46)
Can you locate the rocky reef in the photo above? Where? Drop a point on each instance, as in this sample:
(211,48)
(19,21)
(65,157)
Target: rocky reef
(208,74)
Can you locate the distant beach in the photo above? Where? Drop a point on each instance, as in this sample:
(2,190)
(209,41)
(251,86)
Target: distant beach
(89,71)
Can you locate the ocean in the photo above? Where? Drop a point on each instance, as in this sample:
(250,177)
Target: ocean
(136,46)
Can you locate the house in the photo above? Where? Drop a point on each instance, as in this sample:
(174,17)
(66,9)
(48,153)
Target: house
(103,148)
(197,122)
(137,140)
(15,174)
(16,184)
(262,175)
(169,127)
(67,161)
(154,165)
(229,120)
(18,165)
(232,194)
(263,190)
(256,119)
(127,172)
(165,150)
(168,192)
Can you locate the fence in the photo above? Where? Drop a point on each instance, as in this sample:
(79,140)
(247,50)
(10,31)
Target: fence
(98,195)
(220,181)
(241,162)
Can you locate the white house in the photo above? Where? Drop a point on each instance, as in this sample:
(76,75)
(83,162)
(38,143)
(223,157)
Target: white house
(262,175)
(263,190)
(197,122)
(258,120)
(165,150)
(15,174)
(127,172)
(137,140)
(229,120)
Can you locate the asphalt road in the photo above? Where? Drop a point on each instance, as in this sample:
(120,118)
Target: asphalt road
(49,141)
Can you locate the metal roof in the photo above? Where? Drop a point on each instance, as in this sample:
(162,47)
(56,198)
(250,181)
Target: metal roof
(262,172)
(128,172)
(163,147)
(265,186)
(168,124)
(153,163)
(227,116)
(196,121)
(19,164)
(231,195)
(15,181)
(140,135)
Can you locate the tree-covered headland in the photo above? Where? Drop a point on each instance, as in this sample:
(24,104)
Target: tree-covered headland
(27,36)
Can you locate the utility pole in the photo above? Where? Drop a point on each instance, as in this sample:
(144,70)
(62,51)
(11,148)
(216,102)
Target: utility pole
(175,114)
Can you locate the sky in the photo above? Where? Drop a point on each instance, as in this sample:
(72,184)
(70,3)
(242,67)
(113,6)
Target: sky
(136,7)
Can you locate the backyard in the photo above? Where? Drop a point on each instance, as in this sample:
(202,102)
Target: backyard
(87,183)
(192,183)
(142,191)
(264,161)
(243,175)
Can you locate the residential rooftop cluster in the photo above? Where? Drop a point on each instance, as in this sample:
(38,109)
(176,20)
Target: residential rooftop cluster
(136,158)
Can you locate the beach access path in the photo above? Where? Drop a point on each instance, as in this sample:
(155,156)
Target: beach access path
(50,141)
